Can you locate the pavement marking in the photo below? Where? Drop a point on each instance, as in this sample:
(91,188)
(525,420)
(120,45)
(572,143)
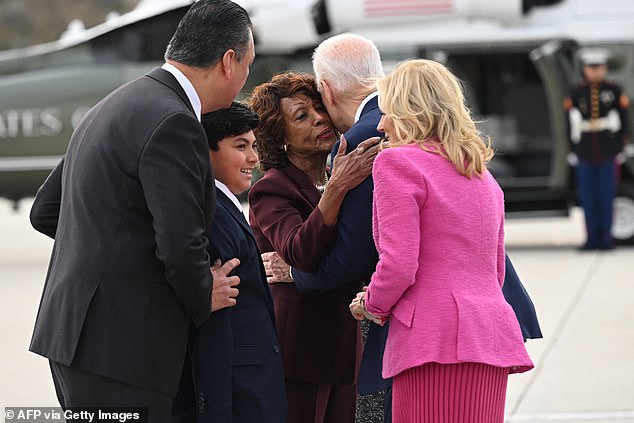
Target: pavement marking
(627,415)
(554,338)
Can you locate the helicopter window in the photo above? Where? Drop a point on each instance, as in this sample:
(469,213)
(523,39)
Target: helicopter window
(138,42)
(616,63)
(620,59)
(508,101)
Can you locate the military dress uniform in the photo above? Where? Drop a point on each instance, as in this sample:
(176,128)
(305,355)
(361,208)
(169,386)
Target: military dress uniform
(597,128)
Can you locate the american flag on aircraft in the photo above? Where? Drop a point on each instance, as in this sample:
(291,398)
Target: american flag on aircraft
(378,8)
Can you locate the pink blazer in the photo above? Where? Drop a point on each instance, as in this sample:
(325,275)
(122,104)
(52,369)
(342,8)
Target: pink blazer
(440,238)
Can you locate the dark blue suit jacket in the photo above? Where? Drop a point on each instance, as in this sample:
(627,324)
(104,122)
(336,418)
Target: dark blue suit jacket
(353,258)
(236,366)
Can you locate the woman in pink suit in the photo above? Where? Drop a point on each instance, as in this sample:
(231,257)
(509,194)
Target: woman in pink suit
(438,224)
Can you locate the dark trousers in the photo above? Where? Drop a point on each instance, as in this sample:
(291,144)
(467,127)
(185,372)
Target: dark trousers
(597,187)
(79,389)
(316,403)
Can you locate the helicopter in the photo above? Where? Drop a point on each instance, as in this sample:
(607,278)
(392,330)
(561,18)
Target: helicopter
(46,88)
(516,58)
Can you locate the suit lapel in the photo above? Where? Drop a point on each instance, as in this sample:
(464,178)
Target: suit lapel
(227,204)
(234,212)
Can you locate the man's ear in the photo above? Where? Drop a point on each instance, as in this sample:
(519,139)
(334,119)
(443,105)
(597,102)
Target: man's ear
(327,94)
(227,63)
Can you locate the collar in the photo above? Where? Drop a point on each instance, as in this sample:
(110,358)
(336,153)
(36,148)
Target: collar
(192,95)
(231,196)
(370,96)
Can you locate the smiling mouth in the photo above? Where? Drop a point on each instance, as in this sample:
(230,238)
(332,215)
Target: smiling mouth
(247,171)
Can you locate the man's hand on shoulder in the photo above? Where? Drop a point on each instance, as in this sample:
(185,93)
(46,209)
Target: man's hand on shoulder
(224,290)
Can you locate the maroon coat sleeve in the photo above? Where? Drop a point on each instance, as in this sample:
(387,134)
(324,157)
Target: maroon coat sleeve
(283,205)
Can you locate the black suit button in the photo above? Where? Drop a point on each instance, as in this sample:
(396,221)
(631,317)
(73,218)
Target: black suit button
(276,349)
(201,402)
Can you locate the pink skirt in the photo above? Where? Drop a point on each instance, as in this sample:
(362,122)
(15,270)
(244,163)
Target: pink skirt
(450,393)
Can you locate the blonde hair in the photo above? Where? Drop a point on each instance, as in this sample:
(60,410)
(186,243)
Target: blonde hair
(425,101)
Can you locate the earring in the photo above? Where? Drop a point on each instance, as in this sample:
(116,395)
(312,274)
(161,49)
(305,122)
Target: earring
(285,148)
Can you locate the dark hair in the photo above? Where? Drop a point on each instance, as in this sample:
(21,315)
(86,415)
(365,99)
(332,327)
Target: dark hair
(207,31)
(265,101)
(231,122)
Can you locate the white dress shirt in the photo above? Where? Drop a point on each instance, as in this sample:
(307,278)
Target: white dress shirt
(192,95)
(222,187)
(370,96)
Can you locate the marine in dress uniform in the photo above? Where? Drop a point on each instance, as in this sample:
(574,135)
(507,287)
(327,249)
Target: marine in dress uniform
(597,132)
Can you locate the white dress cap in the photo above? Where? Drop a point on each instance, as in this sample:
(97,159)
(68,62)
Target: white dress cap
(594,56)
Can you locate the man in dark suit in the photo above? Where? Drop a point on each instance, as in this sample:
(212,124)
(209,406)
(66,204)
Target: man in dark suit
(129,208)
(346,68)
(241,380)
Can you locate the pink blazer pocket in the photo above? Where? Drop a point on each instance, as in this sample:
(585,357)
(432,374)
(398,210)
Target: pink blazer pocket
(476,327)
(403,311)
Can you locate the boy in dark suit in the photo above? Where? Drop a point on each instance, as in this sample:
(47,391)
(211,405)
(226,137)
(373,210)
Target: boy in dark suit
(235,358)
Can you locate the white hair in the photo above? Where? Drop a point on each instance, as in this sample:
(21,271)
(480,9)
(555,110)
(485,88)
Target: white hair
(348,62)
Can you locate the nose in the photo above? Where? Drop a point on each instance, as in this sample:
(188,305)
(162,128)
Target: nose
(321,117)
(252,155)
(379,127)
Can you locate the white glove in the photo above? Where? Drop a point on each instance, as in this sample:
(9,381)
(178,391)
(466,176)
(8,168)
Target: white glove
(572,158)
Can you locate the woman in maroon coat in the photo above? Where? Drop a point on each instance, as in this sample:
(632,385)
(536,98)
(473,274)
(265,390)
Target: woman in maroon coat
(293,211)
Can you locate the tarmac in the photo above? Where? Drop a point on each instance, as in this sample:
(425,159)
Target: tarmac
(584,365)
